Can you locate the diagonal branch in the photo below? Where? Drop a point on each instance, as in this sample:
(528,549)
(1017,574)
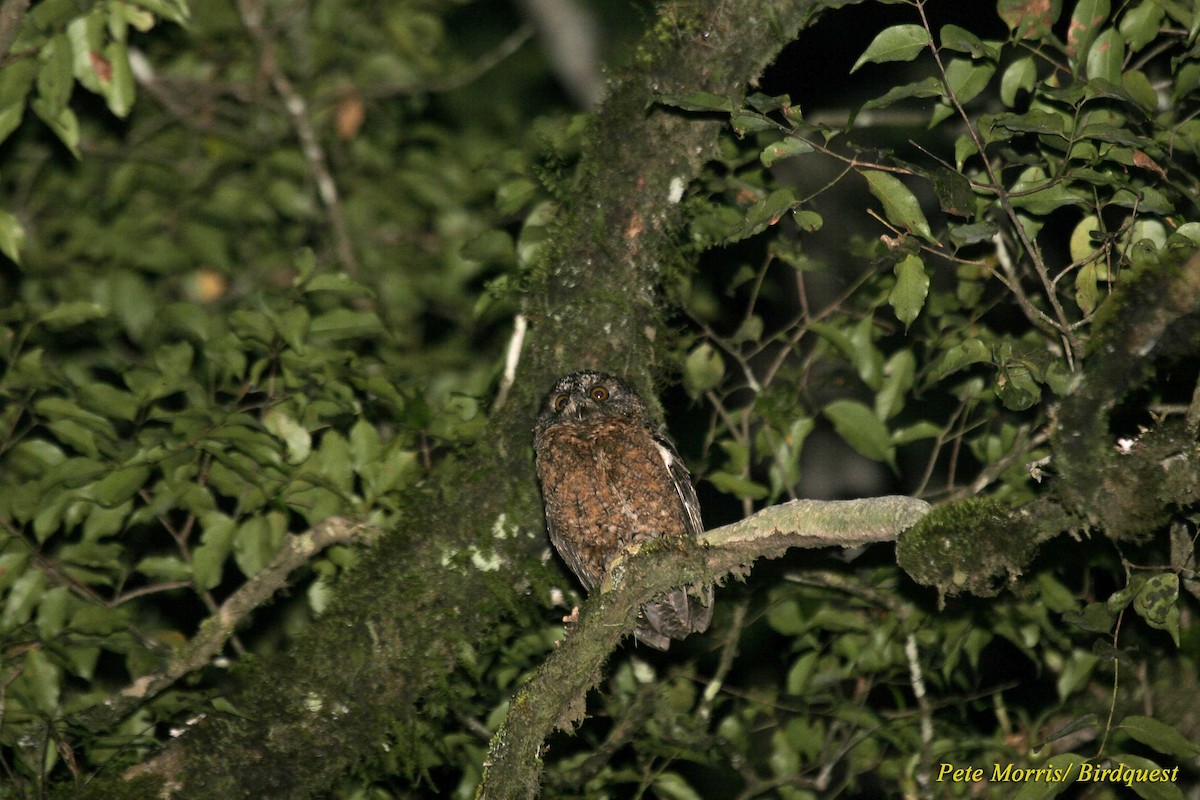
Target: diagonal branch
(214,632)
(253,17)
(554,696)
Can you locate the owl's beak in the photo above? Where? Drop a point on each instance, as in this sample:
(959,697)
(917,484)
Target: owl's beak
(577,409)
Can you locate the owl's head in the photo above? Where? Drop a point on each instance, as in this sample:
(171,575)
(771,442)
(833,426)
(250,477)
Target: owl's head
(580,396)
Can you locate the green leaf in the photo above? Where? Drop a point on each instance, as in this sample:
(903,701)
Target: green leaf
(764,214)
(1037,195)
(673,786)
(119,485)
(800,674)
(1138,86)
(56,77)
(861,429)
(915,433)
(511,196)
(1158,603)
(1162,737)
(1087,289)
(1034,121)
(907,297)
(962,40)
(63,123)
(164,568)
(1086,20)
(1021,75)
(69,315)
(1029,19)
(295,436)
(927,87)
(1140,24)
(900,206)
(174,360)
(963,235)
(216,543)
(256,541)
(898,377)
(108,401)
(1106,57)
(737,485)
(897,43)
(22,598)
(702,370)
(786,148)
(1094,617)
(342,323)
(121,88)
(1016,387)
(809,221)
(12,235)
(954,192)
(966,80)
(744,122)
(16,79)
(40,682)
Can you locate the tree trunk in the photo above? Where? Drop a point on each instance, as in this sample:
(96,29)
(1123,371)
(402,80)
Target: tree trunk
(380,660)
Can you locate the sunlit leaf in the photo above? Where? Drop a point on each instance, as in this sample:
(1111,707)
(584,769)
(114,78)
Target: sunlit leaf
(861,429)
(1106,56)
(900,206)
(907,297)
(1086,21)
(897,43)
(703,369)
(1162,737)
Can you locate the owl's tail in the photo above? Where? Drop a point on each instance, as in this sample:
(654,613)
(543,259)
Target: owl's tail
(674,616)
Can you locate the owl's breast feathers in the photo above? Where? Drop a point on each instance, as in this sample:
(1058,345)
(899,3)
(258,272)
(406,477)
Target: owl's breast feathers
(612,482)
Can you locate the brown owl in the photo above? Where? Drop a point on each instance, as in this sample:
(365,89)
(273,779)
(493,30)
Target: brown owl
(610,479)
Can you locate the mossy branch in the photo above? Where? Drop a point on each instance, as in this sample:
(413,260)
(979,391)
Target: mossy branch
(1121,489)
(554,697)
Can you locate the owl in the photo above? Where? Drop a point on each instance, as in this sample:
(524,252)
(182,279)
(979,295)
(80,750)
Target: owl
(611,479)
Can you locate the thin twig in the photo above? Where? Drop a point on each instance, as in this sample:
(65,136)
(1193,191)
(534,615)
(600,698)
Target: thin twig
(253,17)
(11,14)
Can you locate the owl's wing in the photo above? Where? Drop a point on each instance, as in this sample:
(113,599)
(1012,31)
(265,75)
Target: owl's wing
(682,480)
(573,557)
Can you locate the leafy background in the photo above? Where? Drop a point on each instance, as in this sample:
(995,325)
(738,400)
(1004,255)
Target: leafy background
(262,265)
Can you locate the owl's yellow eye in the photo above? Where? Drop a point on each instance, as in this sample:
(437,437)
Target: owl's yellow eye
(599,394)
(560,402)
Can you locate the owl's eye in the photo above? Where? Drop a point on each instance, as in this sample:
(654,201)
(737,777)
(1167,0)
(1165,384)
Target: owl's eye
(599,394)
(560,402)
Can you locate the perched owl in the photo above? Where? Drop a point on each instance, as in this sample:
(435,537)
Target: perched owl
(610,479)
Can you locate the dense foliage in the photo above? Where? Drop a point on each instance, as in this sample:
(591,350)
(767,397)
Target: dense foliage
(262,261)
